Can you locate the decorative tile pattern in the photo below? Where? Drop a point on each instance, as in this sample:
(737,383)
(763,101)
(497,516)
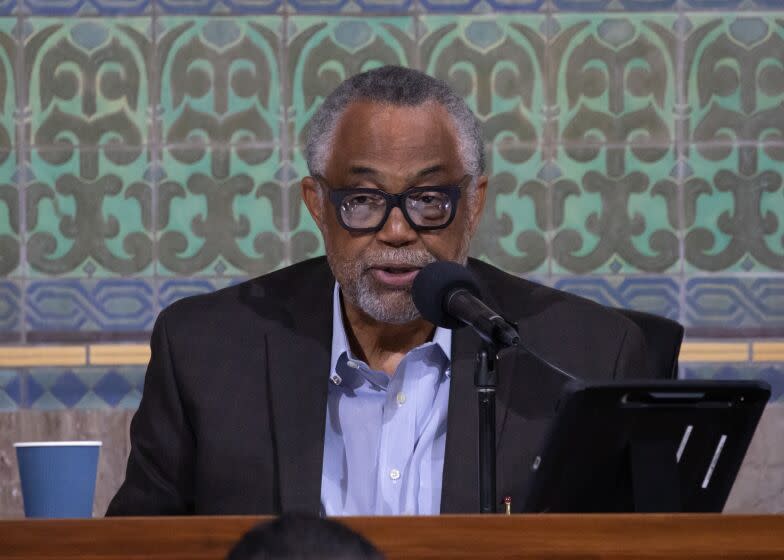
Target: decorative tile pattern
(322,52)
(773,374)
(219,213)
(611,210)
(9,215)
(204,7)
(52,389)
(613,79)
(734,208)
(7,7)
(10,311)
(731,302)
(350,6)
(653,294)
(85,7)
(97,306)
(463,6)
(173,290)
(88,81)
(8,102)
(10,390)
(219,80)
(609,5)
(497,65)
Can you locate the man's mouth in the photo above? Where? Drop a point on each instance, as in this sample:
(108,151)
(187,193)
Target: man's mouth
(395,276)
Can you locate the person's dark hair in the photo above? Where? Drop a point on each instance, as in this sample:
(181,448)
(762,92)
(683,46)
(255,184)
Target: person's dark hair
(303,537)
(397,86)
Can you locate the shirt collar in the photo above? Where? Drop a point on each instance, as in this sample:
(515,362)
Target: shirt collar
(442,337)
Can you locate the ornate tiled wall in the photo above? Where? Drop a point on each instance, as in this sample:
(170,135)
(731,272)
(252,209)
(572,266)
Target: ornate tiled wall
(150,149)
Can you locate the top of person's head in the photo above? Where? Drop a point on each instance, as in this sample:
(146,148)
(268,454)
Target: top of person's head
(397,86)
(303,537)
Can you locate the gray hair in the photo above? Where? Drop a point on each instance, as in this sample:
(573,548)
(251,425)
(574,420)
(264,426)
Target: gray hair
(398,86)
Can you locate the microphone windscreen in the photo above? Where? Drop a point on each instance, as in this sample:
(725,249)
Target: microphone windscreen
(431,286)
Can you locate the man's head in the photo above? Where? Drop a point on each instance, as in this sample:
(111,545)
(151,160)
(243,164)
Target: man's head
(393,130)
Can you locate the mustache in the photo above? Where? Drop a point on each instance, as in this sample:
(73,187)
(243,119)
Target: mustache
(397,257)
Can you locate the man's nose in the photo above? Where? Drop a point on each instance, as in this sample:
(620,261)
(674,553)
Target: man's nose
(397,231)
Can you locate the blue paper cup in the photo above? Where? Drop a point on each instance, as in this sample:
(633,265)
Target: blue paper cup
(58,477)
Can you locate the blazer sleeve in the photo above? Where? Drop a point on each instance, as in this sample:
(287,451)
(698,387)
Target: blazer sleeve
(631,362)
(159,475)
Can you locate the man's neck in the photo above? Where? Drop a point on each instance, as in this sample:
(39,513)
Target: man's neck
(382,345)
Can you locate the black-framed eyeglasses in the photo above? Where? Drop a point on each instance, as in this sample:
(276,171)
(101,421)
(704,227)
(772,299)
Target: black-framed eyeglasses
(364,210)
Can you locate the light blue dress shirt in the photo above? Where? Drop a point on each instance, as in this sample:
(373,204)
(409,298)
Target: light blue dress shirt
(385,436)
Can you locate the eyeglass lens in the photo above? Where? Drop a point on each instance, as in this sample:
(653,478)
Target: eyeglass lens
(425,209)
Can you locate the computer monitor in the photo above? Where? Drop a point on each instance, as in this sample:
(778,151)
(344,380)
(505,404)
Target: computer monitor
(647,446)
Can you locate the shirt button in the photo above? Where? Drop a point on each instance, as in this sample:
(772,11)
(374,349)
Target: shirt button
(394,474)
(401,398)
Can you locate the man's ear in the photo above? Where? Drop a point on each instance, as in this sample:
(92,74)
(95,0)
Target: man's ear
(477,205)
(313,197)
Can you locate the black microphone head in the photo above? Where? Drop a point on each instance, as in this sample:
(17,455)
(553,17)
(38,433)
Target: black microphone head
(431,286)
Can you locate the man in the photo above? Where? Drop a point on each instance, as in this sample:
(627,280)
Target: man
(319,388)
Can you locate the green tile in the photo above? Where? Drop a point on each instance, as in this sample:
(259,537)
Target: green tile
(220,211)
(88,80)
(513,232)
(612,78)
(323,51)
(305,237)
(615,218)
(89,213)
(734,77)
(220,80)
(8,58)
(9,216)
(496,64)
(734,209)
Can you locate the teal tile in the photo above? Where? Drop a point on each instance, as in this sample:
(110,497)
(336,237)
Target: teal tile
(8,103)
(89,213)
(304,237)
(84,388)
(613,78)
(9,216)
(734,81)
(513,232)
(323,51)
(88,81)
(497,65)
(220,212)
(615,210)
(219,79)
(10,390)
(734,209)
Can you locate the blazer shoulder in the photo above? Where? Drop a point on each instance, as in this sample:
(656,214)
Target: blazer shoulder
(269,294)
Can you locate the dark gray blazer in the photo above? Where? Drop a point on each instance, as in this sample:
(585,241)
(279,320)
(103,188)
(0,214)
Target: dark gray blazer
(232,416)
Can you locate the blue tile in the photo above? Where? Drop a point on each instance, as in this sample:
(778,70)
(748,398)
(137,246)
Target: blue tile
(449,6)
(659,295)
(68,389)
(218,6)
(736,302)
(86,305)
(722,4)
(337,6)
(91,7)
(112,388)
(599,5)
(10,390)
(772,374)
(176,289)
(7,7)
(10,309)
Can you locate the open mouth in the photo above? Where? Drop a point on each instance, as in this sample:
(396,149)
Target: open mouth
(395,276)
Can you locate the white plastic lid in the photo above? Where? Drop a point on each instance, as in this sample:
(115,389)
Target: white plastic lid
(58,444)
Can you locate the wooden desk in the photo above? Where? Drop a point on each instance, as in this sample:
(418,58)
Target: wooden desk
(519,536)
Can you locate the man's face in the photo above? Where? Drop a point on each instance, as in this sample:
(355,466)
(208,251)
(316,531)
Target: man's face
(391,148)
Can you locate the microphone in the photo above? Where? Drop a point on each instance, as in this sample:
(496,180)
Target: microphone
(448,295)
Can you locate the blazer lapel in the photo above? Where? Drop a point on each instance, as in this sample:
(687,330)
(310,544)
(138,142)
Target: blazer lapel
(298,371)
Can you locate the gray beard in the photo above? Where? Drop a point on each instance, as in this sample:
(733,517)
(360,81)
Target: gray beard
(382,304)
